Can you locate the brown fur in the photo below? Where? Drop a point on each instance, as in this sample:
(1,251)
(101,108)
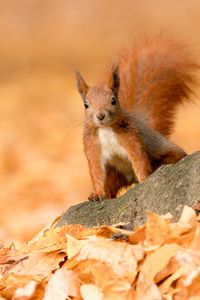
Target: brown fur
(136,103)
(114,181)
(92,151)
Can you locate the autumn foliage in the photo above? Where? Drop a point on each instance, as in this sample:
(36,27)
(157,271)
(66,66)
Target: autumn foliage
(160,260)
(43,170)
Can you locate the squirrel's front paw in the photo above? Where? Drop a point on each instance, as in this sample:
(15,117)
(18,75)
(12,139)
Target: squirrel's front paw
(96,197)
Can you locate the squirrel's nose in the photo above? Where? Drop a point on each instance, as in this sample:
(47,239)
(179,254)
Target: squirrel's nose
(100,116)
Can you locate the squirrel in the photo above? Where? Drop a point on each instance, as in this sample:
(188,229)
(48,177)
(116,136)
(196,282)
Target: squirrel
(130,114)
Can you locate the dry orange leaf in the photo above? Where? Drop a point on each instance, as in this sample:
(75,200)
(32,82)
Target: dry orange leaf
(195,245)
(112,286)
(51,240)
(188,216)
(165,286)
(6,254)
(62,285)
(39,264)
(138,236)
(156,230)
(121,256)
(73,246)
(146,289)
(91,291)
(157,260)
(26,291)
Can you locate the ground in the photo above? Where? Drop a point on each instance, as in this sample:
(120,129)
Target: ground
(43,169)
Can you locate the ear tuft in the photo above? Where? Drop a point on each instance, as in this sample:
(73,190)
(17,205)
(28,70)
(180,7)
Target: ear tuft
(81,84)
(114,80)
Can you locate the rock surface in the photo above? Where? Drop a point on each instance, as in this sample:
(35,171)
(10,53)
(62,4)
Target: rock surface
(167,190)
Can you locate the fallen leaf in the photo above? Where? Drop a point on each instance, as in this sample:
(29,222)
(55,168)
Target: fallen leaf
(62,285)
(39,264)
(27,290)
(11,282)
(167,271)
(121,256)
(73,246)
(52,240)
(146,289)
(91,291)
(112,285)
(157,260)
(7,253)
(188,216)
(165,286)
(156,230)
(195,245)
(138,236)
(82,266)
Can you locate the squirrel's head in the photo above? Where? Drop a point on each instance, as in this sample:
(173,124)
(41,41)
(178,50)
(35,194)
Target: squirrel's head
(101,103)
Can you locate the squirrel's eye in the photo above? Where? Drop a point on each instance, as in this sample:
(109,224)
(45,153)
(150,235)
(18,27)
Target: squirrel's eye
(113,101)
(86,105)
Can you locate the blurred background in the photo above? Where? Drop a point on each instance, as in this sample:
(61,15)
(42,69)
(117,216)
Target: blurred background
(42,166)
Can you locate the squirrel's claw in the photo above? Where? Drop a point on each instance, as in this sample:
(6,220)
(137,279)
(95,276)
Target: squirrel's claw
(96,197)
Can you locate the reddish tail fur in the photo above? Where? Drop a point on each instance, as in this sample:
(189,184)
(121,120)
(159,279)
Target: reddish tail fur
(155,77)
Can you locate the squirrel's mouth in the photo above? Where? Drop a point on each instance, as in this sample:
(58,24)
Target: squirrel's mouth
(103,123)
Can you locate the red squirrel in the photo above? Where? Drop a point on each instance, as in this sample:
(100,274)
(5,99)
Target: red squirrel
(130,114)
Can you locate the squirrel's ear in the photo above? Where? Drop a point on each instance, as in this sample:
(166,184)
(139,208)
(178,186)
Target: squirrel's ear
(114,80)
(81,84)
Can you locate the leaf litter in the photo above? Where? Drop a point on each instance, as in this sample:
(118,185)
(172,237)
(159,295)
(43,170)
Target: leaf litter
(157,261)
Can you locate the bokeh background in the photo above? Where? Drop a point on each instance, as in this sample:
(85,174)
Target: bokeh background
(42,166)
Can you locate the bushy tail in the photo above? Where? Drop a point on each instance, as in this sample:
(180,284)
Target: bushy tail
(155,77)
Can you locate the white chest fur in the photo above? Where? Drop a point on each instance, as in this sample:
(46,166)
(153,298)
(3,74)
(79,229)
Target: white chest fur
(109,144)
(113,152)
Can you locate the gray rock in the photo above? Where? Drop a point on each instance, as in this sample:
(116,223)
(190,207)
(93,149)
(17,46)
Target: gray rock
(168,189)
